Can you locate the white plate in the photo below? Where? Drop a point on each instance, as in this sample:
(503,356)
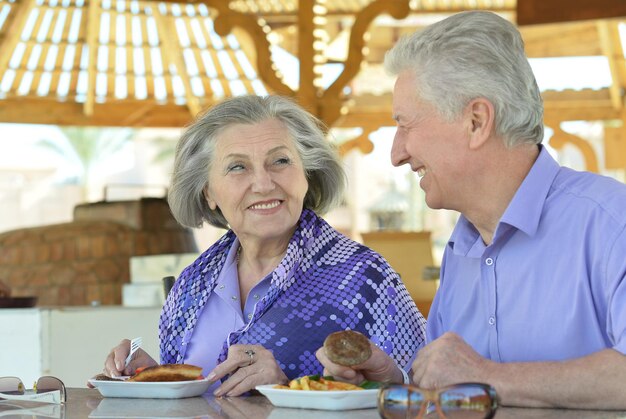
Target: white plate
(324,400)
(114,407)
(149,390)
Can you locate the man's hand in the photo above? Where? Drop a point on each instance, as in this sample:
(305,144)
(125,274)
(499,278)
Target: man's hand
(449,360)
(379,367)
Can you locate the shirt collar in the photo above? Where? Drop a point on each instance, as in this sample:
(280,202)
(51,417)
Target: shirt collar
(523,212)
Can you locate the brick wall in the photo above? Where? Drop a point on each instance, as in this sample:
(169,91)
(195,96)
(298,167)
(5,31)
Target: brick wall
(88,259)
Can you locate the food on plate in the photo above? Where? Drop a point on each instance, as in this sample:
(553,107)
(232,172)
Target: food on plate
(347,348)
(104,377)
(317,383)
(168,372)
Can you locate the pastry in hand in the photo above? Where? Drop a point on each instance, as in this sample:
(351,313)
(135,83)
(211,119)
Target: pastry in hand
(169,372)
(347,348)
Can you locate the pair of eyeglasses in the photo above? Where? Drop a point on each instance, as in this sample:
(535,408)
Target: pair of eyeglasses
(466,400)
(46,388)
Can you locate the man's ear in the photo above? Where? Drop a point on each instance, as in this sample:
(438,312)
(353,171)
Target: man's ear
(207,196)
(482,115)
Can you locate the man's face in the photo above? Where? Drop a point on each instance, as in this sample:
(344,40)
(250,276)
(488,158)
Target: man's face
(434,148)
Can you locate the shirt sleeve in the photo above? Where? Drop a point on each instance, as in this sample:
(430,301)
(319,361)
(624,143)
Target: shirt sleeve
(616,289)
(434,326)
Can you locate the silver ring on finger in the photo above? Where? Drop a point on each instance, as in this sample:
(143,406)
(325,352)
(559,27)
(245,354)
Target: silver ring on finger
(250,353)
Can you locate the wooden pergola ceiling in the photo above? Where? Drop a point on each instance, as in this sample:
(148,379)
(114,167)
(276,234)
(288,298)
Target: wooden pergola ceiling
(148,63)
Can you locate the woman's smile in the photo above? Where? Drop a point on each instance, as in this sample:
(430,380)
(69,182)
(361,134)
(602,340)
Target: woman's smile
(265,205)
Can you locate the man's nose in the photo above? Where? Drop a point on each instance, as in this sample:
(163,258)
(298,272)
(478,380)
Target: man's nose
(399,155)
(262,181)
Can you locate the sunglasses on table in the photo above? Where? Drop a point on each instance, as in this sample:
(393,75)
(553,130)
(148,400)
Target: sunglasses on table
(45,389)
(466,400)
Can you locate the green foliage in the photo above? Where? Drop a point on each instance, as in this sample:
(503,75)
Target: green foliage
(166,150)
(88,146)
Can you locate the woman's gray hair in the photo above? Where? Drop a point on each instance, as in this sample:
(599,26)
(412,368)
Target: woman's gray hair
(195,152)
(470,55)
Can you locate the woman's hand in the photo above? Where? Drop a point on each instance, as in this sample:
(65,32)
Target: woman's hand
(248,366)
(378,367)
(114,364)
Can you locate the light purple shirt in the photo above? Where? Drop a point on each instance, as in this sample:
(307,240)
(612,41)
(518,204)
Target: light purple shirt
(551,285)
(221,315)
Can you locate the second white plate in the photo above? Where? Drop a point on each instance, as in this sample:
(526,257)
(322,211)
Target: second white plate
(323,400)
(149,390)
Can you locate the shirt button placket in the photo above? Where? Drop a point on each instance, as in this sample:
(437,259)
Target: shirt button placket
(489,270)
(492,319)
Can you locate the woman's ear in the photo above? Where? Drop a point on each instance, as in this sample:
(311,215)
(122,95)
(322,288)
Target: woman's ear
(482,116)
(212,204)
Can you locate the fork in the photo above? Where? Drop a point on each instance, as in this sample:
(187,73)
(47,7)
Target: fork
(134,345)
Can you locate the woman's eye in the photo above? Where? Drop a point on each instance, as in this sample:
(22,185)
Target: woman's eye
(235,167)
(283,160)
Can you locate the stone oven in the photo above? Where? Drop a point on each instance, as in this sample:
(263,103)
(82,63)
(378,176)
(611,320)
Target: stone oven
(87,260)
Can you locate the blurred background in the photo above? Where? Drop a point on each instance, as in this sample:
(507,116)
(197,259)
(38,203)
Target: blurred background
(94,95)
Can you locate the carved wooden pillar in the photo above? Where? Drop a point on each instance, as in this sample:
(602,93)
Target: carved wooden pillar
(326,104)
(561,138)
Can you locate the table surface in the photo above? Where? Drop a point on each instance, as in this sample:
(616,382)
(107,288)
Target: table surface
(88,403)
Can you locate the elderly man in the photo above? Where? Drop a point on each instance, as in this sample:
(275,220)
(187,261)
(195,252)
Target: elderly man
(533,296)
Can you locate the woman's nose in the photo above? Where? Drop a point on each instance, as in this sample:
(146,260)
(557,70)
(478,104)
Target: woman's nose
(399,155)
(262,181)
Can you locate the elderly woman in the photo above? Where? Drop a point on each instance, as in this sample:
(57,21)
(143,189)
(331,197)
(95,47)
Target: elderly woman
(255,306)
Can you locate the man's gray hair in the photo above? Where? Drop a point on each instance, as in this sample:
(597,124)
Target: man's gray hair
(195,152)
(470,55)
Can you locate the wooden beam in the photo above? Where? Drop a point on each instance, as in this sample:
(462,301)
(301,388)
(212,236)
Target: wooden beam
(227,20)
(331,101)
(615,147)
(173,55)
(307,93)
(560,138)
(531,12)
(561,39)
(20,11)
(580,111)
(126,113)
(93,28)
(608,50)
(361,143)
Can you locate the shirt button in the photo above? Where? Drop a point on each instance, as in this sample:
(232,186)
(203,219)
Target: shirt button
(234,298)
(489,261)
(250,316)
(221,287)
(492,321)
(256,296)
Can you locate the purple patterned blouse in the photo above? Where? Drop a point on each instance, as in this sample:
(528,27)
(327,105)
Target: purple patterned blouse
(325,283)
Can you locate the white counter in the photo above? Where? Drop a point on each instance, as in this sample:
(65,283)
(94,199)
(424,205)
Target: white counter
(70,343)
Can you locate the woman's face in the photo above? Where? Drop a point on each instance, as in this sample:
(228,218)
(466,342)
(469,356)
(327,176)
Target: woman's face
(257,180)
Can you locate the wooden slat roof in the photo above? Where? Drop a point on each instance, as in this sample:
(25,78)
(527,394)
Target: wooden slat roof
(102,52)
(148,63)
(282,8)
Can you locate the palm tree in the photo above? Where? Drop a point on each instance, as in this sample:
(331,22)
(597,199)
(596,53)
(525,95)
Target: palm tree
(86,147)
(166,150)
